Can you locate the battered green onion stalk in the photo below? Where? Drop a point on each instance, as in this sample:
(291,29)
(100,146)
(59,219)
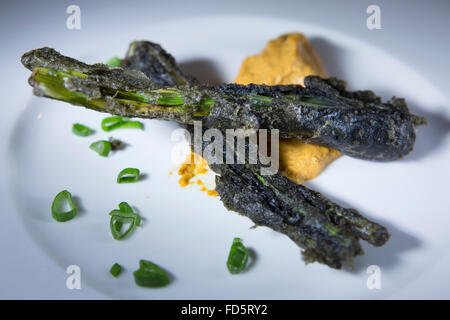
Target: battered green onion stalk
(283,206)
(128,175)
(115,270)
(81,130)
(150,275)
(324,112)
(124,215)
(63,207)
(238,257)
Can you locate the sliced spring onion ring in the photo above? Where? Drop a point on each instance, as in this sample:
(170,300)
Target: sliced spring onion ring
(117,122)
(115,270)
(81,130)
(119,217)
(102,147)
(63,207)
(113,62)
(150,275)
(110,123)
(118,225)
(128,175)
(126,216)
(238,257)
(117,221)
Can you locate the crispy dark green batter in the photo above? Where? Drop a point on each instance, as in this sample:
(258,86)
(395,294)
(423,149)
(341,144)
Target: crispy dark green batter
(155,63)
(283,206)
(356,123)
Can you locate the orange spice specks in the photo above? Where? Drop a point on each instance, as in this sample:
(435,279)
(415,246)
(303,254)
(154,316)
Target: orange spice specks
(212,193)
(209,192)
(193,166)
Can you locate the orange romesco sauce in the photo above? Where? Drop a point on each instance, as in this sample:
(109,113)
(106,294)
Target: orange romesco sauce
(285,60)
(288,60)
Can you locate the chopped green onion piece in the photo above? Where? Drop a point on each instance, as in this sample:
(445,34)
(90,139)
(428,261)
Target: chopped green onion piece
(113,62)
(118,226)
(110,123)
(102,147)
(115,270)
(130,125)
(128,175)
(81,130)
(170,101)
(63,207)
(150,275)
(125,207)
(125,214)
(238,257)
(117,122)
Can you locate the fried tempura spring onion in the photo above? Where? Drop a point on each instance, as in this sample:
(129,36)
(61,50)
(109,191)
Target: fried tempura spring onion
(356,123)
(117,122)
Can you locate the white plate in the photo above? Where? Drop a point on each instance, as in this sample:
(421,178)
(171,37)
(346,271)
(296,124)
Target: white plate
(189,233)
